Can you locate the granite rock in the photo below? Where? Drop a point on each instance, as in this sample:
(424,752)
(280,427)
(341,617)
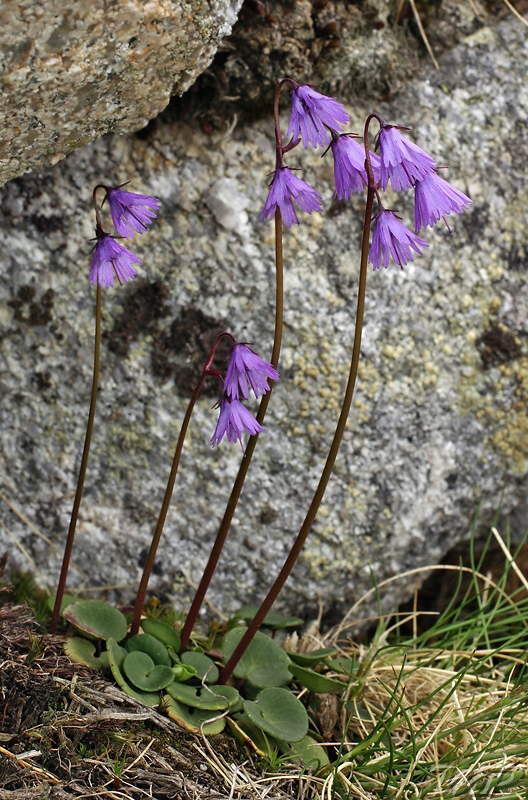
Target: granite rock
(70,71)
(439,424)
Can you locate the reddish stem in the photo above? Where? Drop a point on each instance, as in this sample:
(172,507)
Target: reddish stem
(334,448)
(82,471)
(234,497)
(149,563)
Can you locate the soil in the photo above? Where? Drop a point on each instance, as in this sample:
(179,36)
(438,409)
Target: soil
(65,732)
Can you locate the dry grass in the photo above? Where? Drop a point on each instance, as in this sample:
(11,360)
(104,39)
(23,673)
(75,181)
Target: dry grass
(438,714)
(423,34)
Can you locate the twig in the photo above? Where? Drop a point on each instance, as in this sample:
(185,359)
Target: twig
(423,33)
(514,11)
(509,557)
(49,776)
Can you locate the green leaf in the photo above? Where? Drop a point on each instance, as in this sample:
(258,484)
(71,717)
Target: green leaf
(183,672)
(314,657)
(264,663)
(315,682)
(145,643)
(163,632)
(81,651)
(116,656)
(278,712)
(173,654)
(308,752)
(343,664)
(247,733)
(216,698)
(97,619)
(206,669)
(193,719)
(67,600)
(271,620)
(141,670)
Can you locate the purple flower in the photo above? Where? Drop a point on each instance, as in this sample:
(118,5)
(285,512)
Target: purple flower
(392,238)
(285,188)
(246,370)
(310,113)
(233,421)
(434,198)
(349,166)
(110,257)
(131,212)
(401,160)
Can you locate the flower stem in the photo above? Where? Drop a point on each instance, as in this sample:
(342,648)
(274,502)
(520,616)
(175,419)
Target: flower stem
(225,524)
(82,472)
(149,563)
(332,454)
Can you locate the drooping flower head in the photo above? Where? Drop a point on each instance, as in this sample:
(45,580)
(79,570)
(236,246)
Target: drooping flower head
(285,188)
(234,420)
(392,238)
(131,212)
(402,160)
(311,112)
(111,258)
(246,369)
(349,166)
(435,198)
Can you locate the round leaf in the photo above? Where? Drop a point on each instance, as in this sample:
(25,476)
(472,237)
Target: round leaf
(342,664)
(163,632)
(272,619)
(247,733)
(116,656)
(206,669)
(314,657)
(143,673)
(67,600)
(315,682)
(280,713)
(217,698)
(145,643)
(193,719)
(308,752)
(81,651)
(264,663)
(97,619)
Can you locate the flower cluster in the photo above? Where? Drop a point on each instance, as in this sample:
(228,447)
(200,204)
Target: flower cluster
(246,370)
(319,121)
(131,213)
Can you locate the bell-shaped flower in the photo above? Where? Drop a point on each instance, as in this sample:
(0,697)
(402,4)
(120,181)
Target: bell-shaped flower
(349,166)
(131,212)
(392,238)
(312,113)
(234,420)
(402,160)
(246,369)
(284,189)
(435,198)
(111,258)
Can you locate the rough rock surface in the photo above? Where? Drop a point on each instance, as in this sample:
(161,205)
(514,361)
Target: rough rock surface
(72,71)
(439,423)
(351,49)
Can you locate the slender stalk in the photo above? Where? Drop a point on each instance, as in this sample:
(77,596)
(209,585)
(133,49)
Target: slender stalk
(82,472)
(336,441)
(234,497)
(149,563)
